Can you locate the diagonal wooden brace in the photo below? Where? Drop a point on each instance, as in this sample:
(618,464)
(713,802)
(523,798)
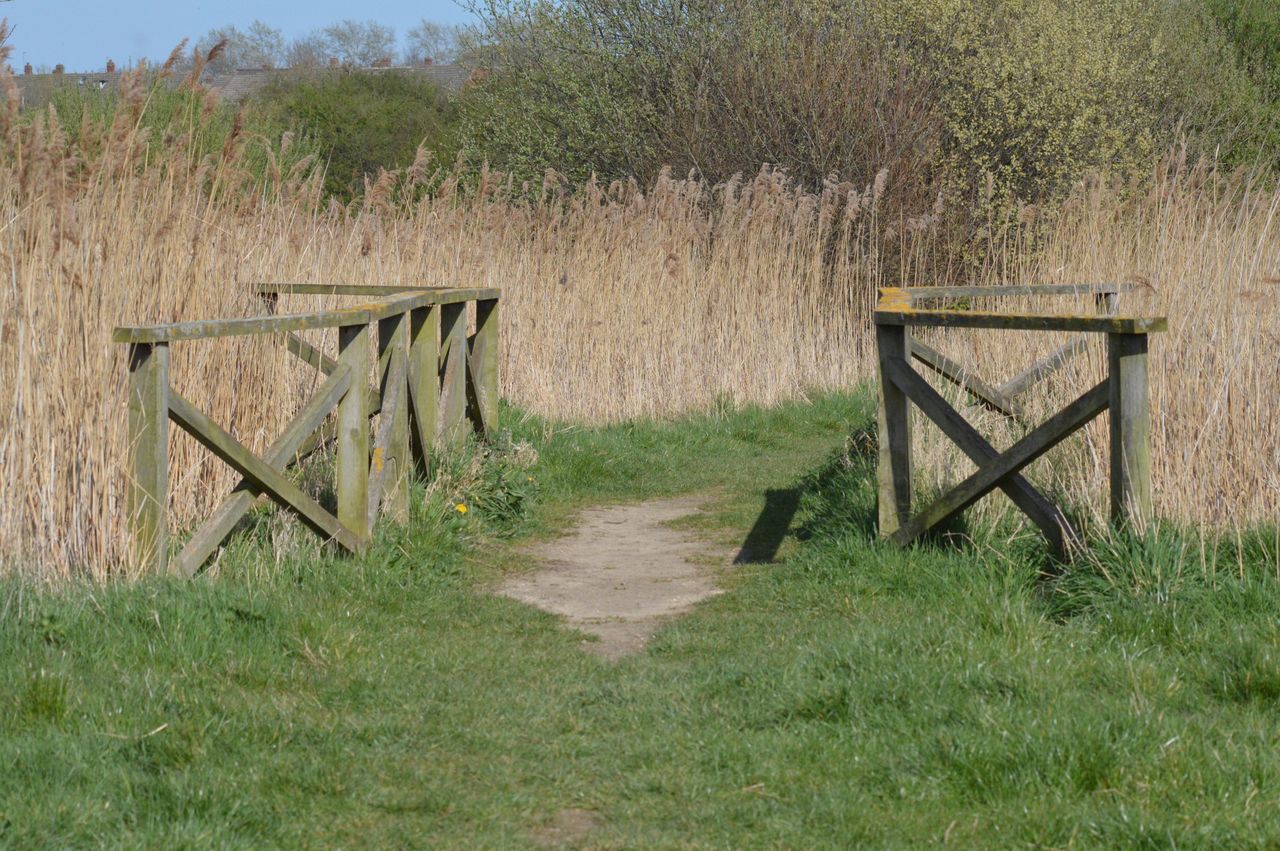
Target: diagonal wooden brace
(1051,522)
(313,357)
(1043,368)
(259,473)
(384,448)
(424,384)
(286,447)
(992,474)
(954,372)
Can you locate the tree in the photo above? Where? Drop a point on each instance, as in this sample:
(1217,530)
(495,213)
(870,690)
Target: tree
(360,43)
(311,51)
(430,40)
(260,46)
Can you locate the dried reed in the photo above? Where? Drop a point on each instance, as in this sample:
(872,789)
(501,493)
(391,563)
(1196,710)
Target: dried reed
(620,302)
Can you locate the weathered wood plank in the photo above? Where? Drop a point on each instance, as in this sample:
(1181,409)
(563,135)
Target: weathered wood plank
(925,293)
(214,531)
(363,290)
(1051,522)
(453,374)
(1043,368)
(454,295)
(424,383)
(988,477)
(353,433)
(279,324)
(1130,430)
(961,377)
(211,328)
(317,359)
(484,367)
(894,430)
(263,477)
(309,354)
(148,490)
(447,294)
(390,464)
(1022,321)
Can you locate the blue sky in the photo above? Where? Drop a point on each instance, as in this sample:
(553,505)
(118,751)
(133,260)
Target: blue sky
(82,34)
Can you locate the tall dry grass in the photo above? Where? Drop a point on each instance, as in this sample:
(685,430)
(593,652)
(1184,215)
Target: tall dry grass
(620,302)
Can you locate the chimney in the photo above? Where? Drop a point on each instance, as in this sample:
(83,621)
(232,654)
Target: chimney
(27,70)
(111,66)
(59,68)
(333,63)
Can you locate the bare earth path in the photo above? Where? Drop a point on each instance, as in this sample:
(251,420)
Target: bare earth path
(620,572)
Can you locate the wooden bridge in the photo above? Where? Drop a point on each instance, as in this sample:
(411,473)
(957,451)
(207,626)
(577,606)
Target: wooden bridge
(1124,392)
(432,380)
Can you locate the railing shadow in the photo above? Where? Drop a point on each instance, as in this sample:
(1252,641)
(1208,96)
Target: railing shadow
(838,495)
(771,527)
(836,498)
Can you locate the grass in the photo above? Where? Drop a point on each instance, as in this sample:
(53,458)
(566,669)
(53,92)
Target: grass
(844,694)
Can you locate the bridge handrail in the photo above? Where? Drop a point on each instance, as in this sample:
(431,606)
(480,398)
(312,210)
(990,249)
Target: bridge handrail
(432,379)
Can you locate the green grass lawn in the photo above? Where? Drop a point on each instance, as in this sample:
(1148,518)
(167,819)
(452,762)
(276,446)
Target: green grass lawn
(847,694)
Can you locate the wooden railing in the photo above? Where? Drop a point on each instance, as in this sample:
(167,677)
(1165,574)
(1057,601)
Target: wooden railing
(1124,392)
(432,378)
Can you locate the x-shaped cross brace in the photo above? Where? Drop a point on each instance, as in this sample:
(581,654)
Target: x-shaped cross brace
(995,469)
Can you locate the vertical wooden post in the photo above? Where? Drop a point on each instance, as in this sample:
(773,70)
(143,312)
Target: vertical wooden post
(1130,430)
(484,362)
(453,374)
(894,475)
(148,500)
(393,342)
(424,382)
(353,432)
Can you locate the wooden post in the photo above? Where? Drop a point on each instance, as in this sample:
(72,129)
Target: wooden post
(453,374)
(148,501)
(1130,430)
(393,342)
(484,363)
(353,432)
(424,382)
(894,476)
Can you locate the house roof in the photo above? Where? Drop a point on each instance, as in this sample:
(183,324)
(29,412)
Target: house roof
(235,86)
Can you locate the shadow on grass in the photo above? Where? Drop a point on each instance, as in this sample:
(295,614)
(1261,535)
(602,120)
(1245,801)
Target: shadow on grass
(839,498)
(771,527)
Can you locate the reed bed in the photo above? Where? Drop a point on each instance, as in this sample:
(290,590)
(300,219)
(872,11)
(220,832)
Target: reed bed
(620,302)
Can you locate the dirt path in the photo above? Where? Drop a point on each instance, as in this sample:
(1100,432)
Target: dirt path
(620,572)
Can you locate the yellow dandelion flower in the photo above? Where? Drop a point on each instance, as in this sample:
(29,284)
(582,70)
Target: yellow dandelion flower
(460,508)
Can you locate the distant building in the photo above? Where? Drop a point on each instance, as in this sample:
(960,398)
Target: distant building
(235,86)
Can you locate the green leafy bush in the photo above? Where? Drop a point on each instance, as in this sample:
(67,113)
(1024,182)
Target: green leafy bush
(622,88)
(994,99)
(362,122)
(1254,27)
(1037,93)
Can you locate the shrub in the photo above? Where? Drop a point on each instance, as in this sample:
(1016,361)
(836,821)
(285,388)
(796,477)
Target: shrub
(626,88)
(1006,99)
(362,122)
(1254,27)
